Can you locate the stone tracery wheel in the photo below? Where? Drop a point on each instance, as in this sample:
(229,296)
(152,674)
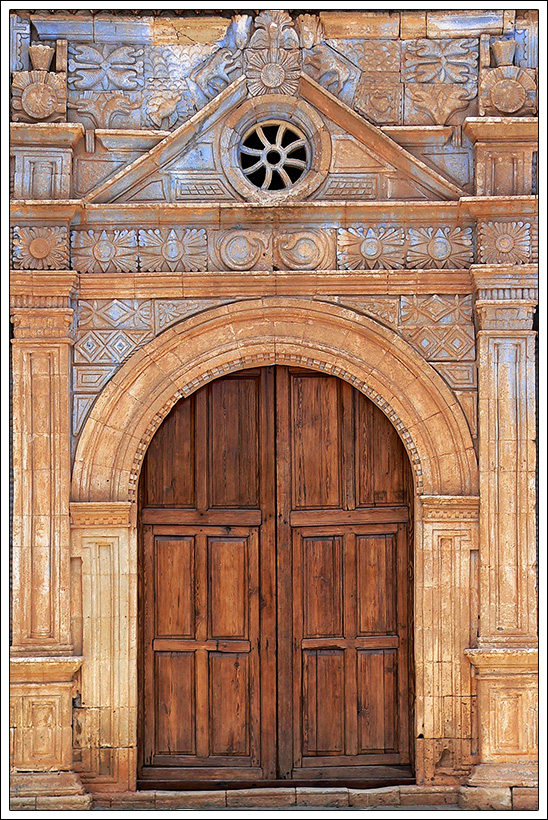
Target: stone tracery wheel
(274,155)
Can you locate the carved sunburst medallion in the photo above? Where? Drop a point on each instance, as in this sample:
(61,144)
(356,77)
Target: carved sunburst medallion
(371,248)
(505,243)
(268,75)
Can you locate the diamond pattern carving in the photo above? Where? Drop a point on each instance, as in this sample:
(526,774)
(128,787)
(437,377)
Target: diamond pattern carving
(439,327)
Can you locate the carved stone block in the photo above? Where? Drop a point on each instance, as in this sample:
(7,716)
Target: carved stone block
(38,96)
(508,90)
(172,249)
(42,173)
(240,250)
(19,43)
(439,103)
(112,250)
(380,100)
(364,247)
(441,247)
(370,55)
(104,66)
(305,250)
(39,248)
(440,61)
(504,243)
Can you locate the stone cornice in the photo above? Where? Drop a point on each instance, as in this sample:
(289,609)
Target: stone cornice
(500,659)
(489,207)
(44,211)
(48,669)
(45,134)
(91,514)
(449,508)
(501,129)
(42,288)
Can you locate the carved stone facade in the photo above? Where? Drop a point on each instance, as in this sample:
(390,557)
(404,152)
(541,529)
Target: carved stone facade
(353,192)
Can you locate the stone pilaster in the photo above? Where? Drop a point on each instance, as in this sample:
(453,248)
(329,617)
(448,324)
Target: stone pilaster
(446,617)
(43,661)
(505,657)
(104,583)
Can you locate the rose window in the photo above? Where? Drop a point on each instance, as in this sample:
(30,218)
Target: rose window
(274,155)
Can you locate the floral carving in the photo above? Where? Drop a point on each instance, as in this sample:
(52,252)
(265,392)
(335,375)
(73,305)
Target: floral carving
(444,61)
(40,248)
(436,103)
(440,247)
(508,90)
(104,250)
(304,250)
(370,248)
(39,95)
(105,66)
(274,29)
(106,109)
(242,250)
(505,243)
(173,249)
(273,59)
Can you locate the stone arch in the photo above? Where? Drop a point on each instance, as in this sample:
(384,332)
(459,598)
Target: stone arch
(275,330)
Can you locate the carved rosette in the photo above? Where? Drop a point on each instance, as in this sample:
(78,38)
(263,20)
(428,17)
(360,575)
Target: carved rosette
(370,248)
(442,247)
(38,96)
(304,250)
(273,60)
(508,90)
(503,243)
(242,250)
(104,251)
(40,248)
(172,249)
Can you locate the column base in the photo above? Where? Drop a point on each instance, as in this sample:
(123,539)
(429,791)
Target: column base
(48,790)
(505,775)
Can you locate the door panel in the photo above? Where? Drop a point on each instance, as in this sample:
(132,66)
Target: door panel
(274,592)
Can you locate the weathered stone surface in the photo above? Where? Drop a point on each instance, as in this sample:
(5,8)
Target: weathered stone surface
(485,799)
(190,800)
(336,798)
(524,799)
(260,798)
(388,796)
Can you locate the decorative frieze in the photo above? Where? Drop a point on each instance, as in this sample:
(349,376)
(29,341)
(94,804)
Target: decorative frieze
(172,249)
(368,247)
(104,250)
(442,247)
(105,67)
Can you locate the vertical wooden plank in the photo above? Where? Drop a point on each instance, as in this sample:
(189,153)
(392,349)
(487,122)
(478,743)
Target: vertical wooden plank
(202,448)
(316,441)
(170,459)
(308,704)
(175,703)
(174,587)
(371,695)
(254,687)
(229,703)
(348,461)
(322,586)
(330,721)
(402,658)
(267,568)
(228,587)
(202,662)
(350,655)
(234,442)
(285,650)
(391,710)
(298,659)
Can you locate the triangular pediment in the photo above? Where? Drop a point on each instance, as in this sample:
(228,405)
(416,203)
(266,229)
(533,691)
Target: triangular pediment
(347,157)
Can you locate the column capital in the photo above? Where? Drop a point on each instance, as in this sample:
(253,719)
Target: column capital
(506,296)
(450,507)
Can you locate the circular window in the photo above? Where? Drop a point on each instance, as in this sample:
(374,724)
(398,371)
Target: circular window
(274,155)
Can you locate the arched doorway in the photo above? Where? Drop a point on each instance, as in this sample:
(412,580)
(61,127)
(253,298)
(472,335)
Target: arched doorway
(275,593)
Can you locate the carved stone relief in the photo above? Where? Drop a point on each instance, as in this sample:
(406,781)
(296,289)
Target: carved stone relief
(504,243)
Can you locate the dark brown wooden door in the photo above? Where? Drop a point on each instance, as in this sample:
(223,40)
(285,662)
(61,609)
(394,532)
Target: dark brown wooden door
(274,599)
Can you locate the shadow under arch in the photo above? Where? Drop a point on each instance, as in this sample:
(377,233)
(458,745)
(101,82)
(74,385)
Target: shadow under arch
(274,330)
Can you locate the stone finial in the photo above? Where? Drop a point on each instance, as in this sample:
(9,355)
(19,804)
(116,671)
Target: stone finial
(503,52)
(41,56)
(310,29)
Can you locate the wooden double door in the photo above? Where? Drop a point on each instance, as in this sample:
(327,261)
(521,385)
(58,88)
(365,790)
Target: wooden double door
(274,585)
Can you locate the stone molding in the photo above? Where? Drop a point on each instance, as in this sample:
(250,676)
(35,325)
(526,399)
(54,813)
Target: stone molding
(100,514)
(493,661)
(44,669)
(42,289)
(49,134)
(450,508)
